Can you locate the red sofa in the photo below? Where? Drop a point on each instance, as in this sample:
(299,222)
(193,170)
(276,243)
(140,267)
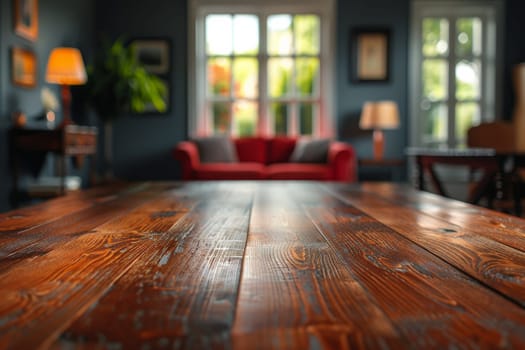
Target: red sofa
(268,159)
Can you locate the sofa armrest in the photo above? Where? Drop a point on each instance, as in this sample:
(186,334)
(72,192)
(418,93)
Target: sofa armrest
(188,154)
(342,160)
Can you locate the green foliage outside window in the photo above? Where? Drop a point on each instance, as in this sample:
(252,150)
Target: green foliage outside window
(240,109)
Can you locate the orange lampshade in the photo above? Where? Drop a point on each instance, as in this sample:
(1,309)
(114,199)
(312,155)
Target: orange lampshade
(379,115)
(66,67)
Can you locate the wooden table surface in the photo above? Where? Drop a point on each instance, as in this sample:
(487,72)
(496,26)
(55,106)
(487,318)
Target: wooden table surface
(248,265)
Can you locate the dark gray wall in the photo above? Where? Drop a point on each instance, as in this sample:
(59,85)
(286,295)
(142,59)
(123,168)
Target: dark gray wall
(391,15)
(61,22)
(514,51)
(142,144)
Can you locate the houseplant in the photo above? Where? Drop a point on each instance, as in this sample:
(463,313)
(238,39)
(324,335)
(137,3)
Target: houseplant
(117,85)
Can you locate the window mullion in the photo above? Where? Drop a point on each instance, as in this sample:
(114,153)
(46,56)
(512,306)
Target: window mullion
(452,101)
(483,88)
(232,81)
(265,126)
(294,108)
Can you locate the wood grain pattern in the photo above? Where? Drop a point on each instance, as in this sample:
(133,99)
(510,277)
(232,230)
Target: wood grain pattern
(492,224)
(16,221)
(190,269)
(414,287)
(488,261)
(297,286)
(42,238)
(68,273)
(260,265)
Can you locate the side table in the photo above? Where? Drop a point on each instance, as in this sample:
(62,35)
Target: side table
(71,141)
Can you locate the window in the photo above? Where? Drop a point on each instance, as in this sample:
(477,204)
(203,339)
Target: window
(454,78)
(261,69)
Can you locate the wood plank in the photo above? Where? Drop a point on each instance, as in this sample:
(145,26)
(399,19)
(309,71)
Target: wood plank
(42,297)
(420,293)
(490,262)
(181,291)
(295,291)
(25,218)
(497,226)
(41,239)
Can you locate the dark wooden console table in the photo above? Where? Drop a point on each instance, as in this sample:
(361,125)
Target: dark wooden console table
(70,141)
(260,265)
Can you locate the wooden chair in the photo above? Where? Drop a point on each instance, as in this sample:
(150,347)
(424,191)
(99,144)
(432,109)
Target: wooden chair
(500,136)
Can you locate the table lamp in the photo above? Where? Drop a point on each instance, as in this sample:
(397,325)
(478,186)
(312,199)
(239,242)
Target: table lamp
(66,67)
(379,116)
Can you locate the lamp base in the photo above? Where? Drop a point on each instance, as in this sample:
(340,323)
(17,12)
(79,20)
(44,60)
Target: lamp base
(379,144)
(65,94)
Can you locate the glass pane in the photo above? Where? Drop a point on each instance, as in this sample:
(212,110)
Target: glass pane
(435,121)
(219,76)
(245,35)
(280,73)
(307,74)
(245,77)
(219,34)
(467,115)
(279,112)
(221,117)
(280,35)
(435,36)
(468,40)
(245,118)
(435,79)
(468,77)
(306,115)
(306,28)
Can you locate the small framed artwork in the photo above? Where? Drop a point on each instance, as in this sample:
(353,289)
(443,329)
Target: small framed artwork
(153,54)
(370,55)
(26,18)
(23,67)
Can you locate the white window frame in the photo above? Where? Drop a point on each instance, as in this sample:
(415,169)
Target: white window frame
(198,9)
(491,12)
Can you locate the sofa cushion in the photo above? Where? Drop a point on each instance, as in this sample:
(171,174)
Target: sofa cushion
(230,171)
(216,149)
(297,171)
(251,149)
(280,149)
(310,151)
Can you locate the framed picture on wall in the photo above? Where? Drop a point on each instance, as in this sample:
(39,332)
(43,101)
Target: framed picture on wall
(26,18)
(153,54)
(23,67)
(369,55)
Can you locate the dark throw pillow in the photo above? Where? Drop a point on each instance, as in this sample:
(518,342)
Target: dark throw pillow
(310,151)
(216,149)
